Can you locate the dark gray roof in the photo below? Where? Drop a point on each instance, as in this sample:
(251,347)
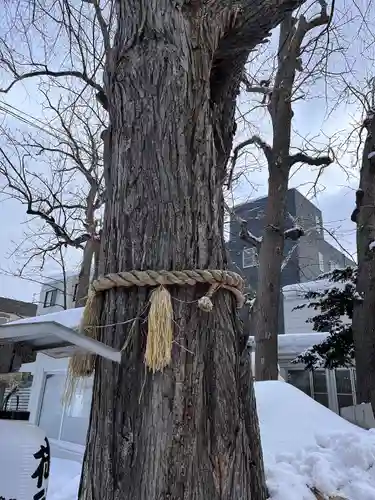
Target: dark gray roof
(21,309)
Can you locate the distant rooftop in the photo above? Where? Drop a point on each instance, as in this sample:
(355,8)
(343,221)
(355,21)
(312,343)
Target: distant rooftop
(319,285)
(258,198)
(12,306)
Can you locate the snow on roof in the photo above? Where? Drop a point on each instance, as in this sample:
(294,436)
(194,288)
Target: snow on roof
(307,445)
(70,318)
(295,343)
(300,289)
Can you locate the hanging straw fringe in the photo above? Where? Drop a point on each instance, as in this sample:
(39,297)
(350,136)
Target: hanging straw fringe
(160,330)
(81,365)
(160,318)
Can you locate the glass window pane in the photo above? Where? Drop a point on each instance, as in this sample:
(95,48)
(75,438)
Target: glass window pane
(249,257)
(51,408)
(77,414)
(300,379)
(319,381)
(343,383)
(345,400)
(321,398)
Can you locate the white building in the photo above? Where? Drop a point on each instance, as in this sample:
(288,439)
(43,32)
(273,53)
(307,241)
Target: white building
(58,294)
(295,320)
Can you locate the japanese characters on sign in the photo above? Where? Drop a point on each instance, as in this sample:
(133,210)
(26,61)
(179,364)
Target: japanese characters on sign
(42,471)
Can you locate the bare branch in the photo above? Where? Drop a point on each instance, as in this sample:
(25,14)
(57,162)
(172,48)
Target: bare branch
(103,25)
(266,148)
(53,74)
(309,160)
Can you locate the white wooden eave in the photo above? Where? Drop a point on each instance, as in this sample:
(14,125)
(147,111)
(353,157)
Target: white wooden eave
(55,340)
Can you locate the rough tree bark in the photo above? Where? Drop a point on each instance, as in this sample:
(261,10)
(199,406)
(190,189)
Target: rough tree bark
(363,312)
(191,432)
(271,254)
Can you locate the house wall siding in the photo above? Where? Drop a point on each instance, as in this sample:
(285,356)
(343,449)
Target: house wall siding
(63,288)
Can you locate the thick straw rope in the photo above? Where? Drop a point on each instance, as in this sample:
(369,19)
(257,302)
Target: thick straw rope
(160,317)
(225,279)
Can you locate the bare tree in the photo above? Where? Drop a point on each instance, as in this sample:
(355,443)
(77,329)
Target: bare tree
(278,96)
(171,78)
(58,177)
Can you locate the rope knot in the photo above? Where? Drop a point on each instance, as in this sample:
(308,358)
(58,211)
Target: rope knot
(205,304)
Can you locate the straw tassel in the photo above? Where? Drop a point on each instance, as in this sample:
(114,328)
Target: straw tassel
(160,330)
(82,365)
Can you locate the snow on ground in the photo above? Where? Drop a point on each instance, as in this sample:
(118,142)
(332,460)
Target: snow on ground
(64,479)
(305,445)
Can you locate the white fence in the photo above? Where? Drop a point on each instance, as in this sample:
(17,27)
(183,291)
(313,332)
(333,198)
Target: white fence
(361,415)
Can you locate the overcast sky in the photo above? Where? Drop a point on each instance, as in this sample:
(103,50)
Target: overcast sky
(336,188)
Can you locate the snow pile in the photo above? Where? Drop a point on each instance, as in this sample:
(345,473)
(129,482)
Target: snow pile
(305,445)
(289,419)
(64,479)
(340,464)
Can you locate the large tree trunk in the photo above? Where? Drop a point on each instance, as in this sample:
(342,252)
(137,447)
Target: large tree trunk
(266,321)
(192,431)
(266,313)
(364,308)
(280,161)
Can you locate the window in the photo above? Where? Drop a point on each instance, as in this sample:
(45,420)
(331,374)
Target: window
(332,265)
(319,383)
(345,386)
(61,421)
(321,262)
(314,384)
(76,415)
(249,257)
(50,298)
(51,409)
(75,292)
(301,380)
